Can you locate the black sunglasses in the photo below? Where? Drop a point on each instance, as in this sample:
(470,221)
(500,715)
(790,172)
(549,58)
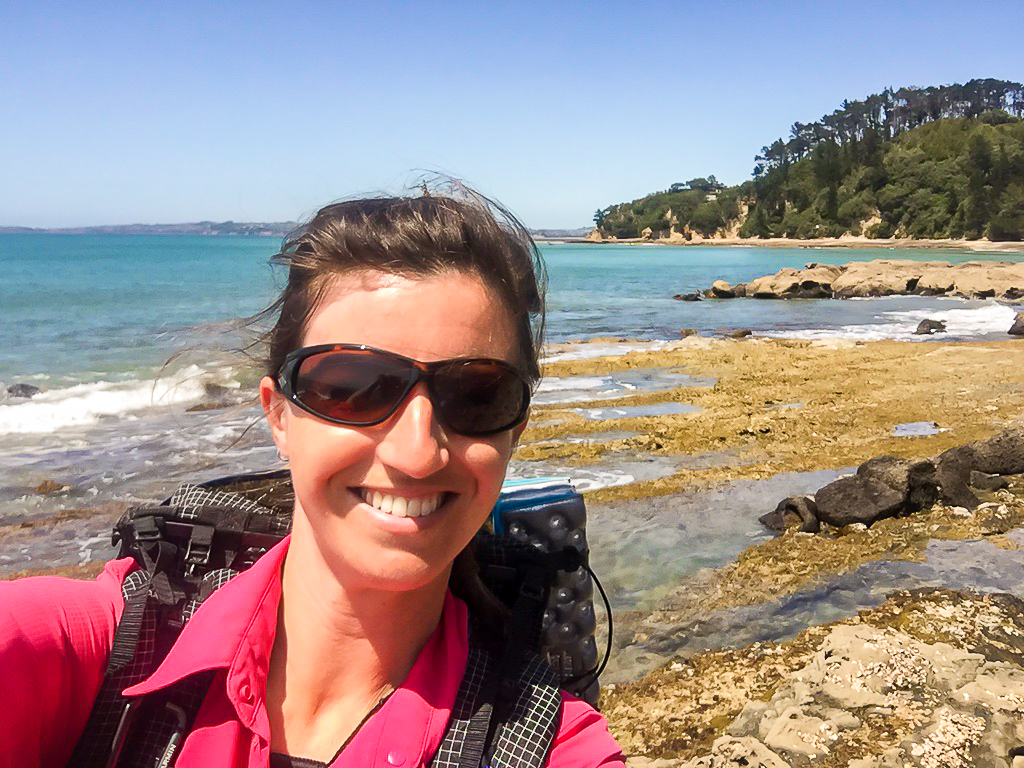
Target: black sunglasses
(360,386)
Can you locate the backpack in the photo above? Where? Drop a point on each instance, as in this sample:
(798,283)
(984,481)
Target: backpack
(506,711)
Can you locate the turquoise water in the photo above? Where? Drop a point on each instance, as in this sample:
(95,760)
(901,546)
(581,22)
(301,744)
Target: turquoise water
(78,309)
(92,320)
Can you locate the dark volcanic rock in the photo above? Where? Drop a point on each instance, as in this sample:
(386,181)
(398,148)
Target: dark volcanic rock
(857,499)
(953,470)
(1017,329)
(1002,454)
(928,326)
(739,334)
(883,487)
(985,482)
(794,511)
(687,297)
(915,480)
(23,390)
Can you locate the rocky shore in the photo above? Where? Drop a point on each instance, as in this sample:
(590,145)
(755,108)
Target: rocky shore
(927,678)
(930,677)
(883,277)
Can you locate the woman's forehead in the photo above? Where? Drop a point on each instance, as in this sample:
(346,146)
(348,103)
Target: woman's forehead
(435,317)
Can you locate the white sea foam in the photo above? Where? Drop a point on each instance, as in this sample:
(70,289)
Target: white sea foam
(589,350)
(900,325)
(561,384)
(85,404)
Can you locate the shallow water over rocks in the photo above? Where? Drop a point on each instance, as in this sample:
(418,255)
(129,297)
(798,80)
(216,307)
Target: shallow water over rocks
(979,565)
(555,390)
(635,411)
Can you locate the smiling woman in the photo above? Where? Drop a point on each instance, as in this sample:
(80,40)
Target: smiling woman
(397,384)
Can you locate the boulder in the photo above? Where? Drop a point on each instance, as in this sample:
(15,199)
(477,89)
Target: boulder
(915,480)
(879,277)
(857,499)
(1002,454)
(1017,329)
(687,297)
(687,332)
(929,326)
(791,512)
(953,471)
(722,290)
(883,487)
(985,482)
(23,390)
(741,334)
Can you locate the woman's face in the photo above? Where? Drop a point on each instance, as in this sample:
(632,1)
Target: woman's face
(347,478)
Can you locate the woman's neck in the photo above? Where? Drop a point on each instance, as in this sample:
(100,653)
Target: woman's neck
(338,652)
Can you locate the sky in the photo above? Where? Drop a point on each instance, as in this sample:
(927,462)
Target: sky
(147,112)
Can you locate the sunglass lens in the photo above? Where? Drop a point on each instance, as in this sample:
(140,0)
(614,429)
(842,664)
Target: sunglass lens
(479,397)
(351,387)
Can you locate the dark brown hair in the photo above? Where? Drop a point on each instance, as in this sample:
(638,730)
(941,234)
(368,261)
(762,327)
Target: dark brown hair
(422,236)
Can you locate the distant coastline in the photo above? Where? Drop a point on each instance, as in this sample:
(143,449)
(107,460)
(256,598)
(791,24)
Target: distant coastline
(257,228)
(273,229)
(982,245)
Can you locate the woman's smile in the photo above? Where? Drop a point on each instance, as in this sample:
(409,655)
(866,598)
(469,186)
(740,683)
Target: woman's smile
(401,506)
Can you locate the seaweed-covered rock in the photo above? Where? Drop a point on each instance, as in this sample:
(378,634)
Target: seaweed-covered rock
(930,679)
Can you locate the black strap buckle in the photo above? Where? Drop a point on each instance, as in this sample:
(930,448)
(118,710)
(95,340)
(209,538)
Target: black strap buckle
(200,544)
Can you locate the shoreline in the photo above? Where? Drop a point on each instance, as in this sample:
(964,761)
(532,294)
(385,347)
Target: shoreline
(846,241)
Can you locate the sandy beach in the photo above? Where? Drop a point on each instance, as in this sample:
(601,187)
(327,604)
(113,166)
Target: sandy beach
(982,245)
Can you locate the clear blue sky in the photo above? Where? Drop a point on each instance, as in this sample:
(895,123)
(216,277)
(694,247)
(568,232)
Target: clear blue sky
(158,112)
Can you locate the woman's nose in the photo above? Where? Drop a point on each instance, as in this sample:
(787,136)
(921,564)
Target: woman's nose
(414,443)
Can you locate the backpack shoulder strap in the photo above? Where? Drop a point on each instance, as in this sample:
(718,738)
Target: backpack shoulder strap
(523,739)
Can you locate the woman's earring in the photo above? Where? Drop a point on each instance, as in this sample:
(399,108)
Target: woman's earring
(281,456)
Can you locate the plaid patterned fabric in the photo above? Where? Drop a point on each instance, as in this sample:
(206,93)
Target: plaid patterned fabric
(525,739)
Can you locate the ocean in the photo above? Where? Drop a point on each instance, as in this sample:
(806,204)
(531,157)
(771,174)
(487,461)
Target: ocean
(133,342)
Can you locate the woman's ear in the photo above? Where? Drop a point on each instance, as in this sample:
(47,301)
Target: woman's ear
(518,430)
(274,408)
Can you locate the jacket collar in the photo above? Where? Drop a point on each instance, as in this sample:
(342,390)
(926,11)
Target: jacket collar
(234,628)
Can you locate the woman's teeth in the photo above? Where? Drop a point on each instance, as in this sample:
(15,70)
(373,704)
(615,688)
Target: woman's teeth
(400,506)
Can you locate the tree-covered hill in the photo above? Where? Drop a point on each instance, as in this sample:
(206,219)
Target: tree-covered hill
(941,162)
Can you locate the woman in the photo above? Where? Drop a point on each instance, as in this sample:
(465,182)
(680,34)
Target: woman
(397,385)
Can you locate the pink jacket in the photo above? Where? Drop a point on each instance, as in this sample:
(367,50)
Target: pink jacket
(56,635)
